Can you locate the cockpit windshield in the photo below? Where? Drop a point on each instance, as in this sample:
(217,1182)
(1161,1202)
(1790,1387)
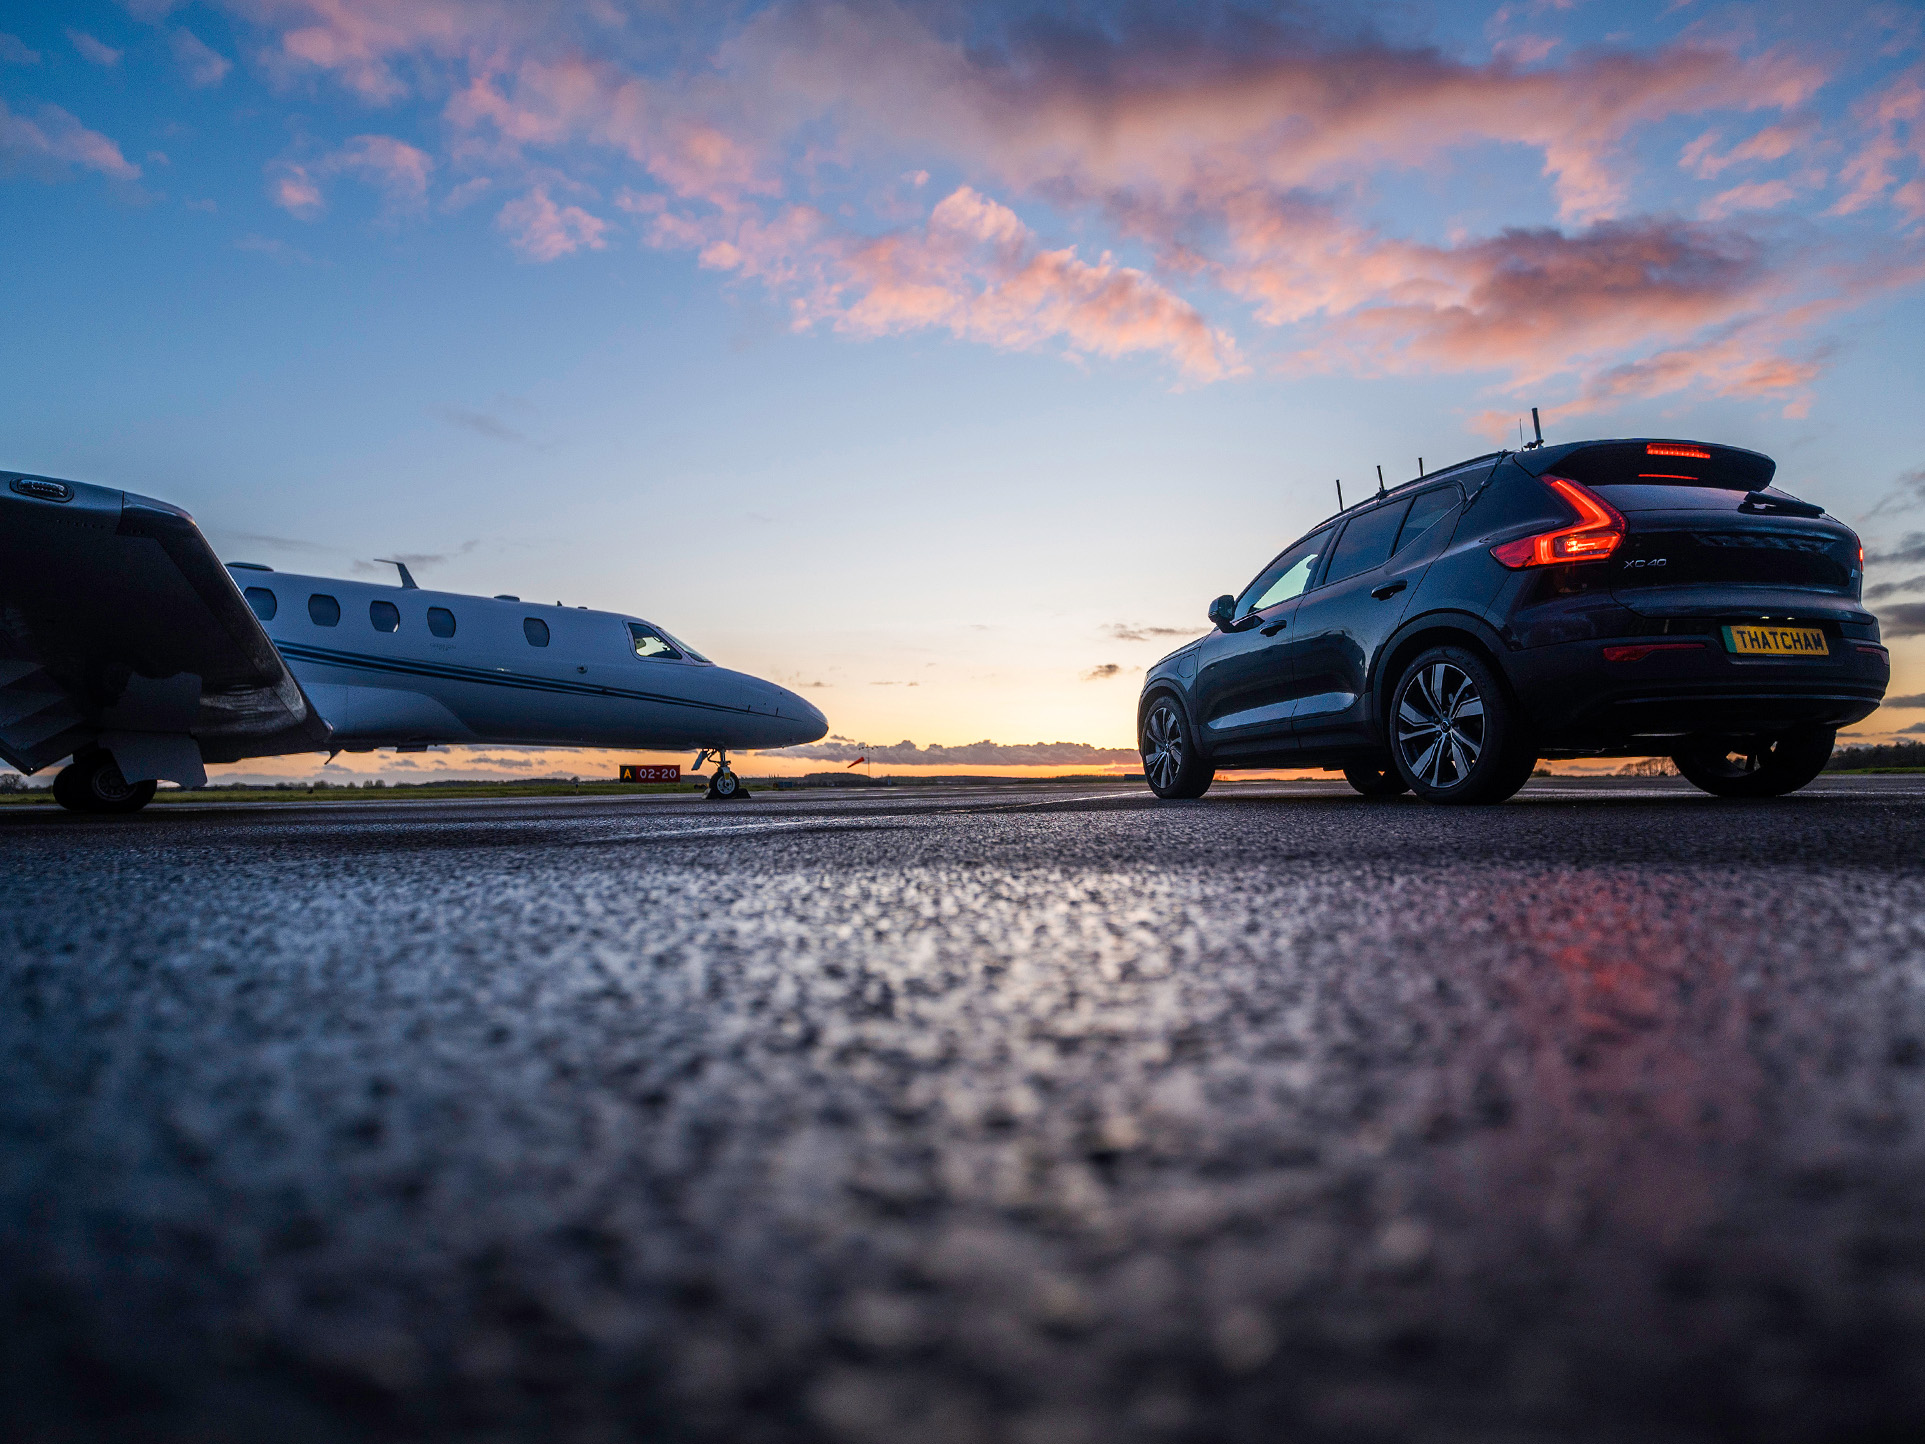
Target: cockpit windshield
(652,643)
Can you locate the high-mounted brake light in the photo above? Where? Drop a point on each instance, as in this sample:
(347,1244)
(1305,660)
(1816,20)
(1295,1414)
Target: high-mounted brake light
(1599,529)
(1659,448)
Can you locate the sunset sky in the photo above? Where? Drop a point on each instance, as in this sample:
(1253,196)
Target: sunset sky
(944,360)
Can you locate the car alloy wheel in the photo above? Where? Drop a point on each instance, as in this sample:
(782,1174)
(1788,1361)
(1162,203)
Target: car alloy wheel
(1456,736)
(1172,764)
(1441,727)
(1163,746)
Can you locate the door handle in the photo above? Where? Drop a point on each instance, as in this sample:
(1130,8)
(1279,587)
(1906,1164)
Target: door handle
(1275,627)
(1389,589)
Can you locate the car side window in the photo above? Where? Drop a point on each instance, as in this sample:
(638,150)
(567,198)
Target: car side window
(1365,543)
(650,643)
(441,621)
(1286,577)
(535,630)
(386,616)
(1427,509)
(264,602)
(323,610)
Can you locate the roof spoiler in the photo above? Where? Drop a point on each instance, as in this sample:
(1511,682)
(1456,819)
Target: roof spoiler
(1659,458)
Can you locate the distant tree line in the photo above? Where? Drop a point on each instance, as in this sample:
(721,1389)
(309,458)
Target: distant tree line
(1890,754)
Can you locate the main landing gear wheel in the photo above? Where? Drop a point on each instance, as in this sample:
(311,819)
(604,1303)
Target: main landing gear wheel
(1456,738)
(1376,779)
(92,783)
(1173,764)
(1755,766)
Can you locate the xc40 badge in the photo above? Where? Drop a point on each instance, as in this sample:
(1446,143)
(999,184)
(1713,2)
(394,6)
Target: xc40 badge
(1647,562)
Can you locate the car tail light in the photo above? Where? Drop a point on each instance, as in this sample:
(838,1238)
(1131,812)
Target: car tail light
(1665,448)
(1599,529)
(1638,651)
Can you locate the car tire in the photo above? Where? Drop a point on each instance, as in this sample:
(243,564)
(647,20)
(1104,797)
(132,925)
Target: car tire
(1456,736)
(1376,778)
(1173,764)
(1763,767)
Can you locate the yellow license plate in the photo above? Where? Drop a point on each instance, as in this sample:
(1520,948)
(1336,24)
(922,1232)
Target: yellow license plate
(1776,641)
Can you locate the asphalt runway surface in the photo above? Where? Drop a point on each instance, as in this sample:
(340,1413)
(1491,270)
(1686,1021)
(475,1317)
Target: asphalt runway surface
(1048,1115)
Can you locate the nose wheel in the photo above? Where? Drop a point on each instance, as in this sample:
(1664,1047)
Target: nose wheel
(724,785)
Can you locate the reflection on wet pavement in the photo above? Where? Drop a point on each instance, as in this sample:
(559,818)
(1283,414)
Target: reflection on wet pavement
(1253,1119)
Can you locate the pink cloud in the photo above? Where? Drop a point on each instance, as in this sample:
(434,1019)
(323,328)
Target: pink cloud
(400,171)
(1774,142)
(1896,119)
(1167,116)
(54,140)
(977,271)
(1754,196)
(203,65)
(95,52)
(1529,304)
(295,192)
(359,41)
(544,231)
(974,269)
(551,102)
(1241,166)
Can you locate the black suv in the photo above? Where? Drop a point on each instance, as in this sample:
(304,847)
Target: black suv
(1601,599)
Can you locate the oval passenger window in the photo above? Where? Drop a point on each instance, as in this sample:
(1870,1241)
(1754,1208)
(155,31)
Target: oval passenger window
(263,602)
(535,630)
(323,610)
(441,621)
(386,616)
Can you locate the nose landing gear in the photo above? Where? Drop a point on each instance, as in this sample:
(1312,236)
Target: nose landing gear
(724,785)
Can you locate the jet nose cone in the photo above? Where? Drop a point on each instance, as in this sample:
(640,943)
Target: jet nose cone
(808,717)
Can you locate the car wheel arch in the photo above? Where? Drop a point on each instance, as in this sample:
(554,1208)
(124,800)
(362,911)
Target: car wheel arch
(1162,689)
(1438,629)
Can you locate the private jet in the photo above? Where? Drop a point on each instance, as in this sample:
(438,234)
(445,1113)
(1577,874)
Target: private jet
(128,647)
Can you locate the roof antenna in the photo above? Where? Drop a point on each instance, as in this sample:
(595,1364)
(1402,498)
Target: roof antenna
(407,582)
(1380,481)
(1420,468)
(1340,493)
(1536,426)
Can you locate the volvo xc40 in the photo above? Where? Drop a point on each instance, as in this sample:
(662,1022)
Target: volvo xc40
(1624,598)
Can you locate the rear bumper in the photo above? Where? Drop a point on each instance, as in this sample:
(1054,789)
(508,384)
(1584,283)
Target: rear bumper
(1575,697)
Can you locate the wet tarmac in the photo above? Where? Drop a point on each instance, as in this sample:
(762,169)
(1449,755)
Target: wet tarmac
(1049,1115)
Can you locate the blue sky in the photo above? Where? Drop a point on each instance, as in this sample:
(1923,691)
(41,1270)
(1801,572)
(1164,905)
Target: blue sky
(943,360)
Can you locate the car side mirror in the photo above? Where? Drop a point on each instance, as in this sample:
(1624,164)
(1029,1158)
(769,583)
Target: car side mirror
(1222,611)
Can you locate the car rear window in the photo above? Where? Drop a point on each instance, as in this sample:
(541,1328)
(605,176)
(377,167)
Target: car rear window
(1649,496)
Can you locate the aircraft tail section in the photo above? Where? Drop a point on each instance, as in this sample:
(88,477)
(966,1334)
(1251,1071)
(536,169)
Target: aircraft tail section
(120,629)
